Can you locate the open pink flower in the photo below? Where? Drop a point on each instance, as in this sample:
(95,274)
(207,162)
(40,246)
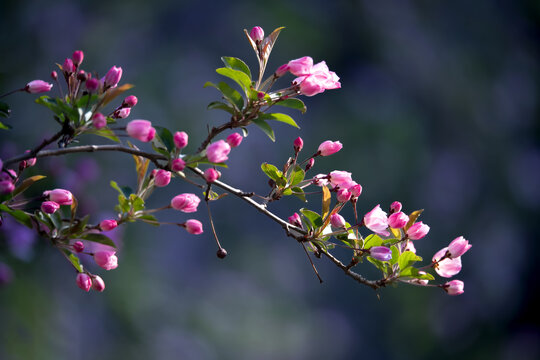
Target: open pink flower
(106,259)
(417,231)
(446,267)
(458,247)
(398,220)
(454,287)
(376,221)
(341,179)
(313,79)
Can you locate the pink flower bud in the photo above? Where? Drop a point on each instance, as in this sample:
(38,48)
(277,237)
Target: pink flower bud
(108,225)
(60,196)
(257,33)
(376,221)
(6,187)
(54,75)
(341,179)
(458,247)
(356,190)
(141,130)
(298,144)
(98,284)
(234,139)
(31,161)
(260,95)
(78,246)
(122,113)
(381,253)
(217,151)
(398,220)
(211,175)
(49,207)
(329,147)
(130,101)
(343,195)
(162,178)
(395,207)
(92,85)
(446,267)
(178,165)
(295,220)
(417,231)
(410,247)
(282,70)
(454,287)
(99,120)
(180,139)
(112,78)
(310,164)
(68,66)
(77,57)
(37,87)
(106,259)
(300,67)
(84,281)
(185,202)
(337,221)
(194,227)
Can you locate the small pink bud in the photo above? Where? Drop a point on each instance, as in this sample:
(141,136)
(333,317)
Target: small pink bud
(162,178)
(337,221)
(395,207)
(178,165)
(329,147)
(398,220)
(98,284)
(417,231)
(194,227)
(217,151)
(234,139)
(68,66)
(49,207)
(343,195)
(84,281)
(92,85)
(106,259)
(77,57)
(211,175)
(376,221)
(99,120)
(180,139)
(257,33)
(54,75)
(130,101)
(38,87)
(282,70)
(113,76)
(6,187)
(310,164)
(446,267)
(78,246)
(454,287)
(298,144)
(141,130)
(381,253)
(356,190)
(31,161)
(185,202)
(122,113)
(108,225)
(295,220)
(60,196)
(458,247)
(260,95)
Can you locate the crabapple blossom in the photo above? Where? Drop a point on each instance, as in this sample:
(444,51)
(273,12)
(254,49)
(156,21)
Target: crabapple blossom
(37,87)
(186,202)
(194,227)
(446,267)
(106,259)
(99,120)
(454,287)
(341,179)
(162,178)
(376,221)
(98,284)
(458,247)
(329,147)
(6,186)
(337,221)
(343,195)
(356,190)
(298,144)
(108,225)
(49,207)
(112,78)
(398,220)
(92,85)
(295,220)
(68,66)
(417,231)
(77,57)
(395,207)
(257,33)
(178,165)
(180,139)
(141,130)
(130,101)
(84,281)
(122,113)
(211,175)
(78,246)
(60,196)
(217,151)
(282,70)
(234,139)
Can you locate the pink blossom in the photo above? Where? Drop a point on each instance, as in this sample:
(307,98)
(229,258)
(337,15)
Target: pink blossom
(320,180)
(343,195)
(49,207)
(178,165)
(217,151)
(84,281)
(37,87)
(446,267)
(211,175)
(130,101)
(282,70)
(106,259)
(295,220)
(458,247)
(398,220)
(301,66)
(122,113)
(54,75)
(78,246)
(410,247)
(99,120)
(180,139)
(141,130)
(395,207)
(6,187)
(329,147)
(77,57)
(337,221)
(68,66)
(341,179)
(60,196)
(113,76)
(234,139)
(98,284)
(313,79)
(162,178)
(298,144)
(257,33)
(420,281)
(417,231)
(194,227)
(92,84)
(381,253)
(454,287)
(310,164)
(356,190)
(376,221)
(31,161)
(186,202)
(108,224)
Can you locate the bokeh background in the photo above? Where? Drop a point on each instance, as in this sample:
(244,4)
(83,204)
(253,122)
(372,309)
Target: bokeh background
(438,109)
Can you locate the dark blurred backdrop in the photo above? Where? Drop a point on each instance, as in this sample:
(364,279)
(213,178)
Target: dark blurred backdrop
(438,109)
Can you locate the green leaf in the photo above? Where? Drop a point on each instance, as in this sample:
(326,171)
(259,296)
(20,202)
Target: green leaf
(265,127)
(287,192)
(293,104)
(136,202)
(408,258)
(86,99)
(99,238)
(314,218)
(221,106)
(236,64)
(149,219)
(74,260)
(412,272)
(395,255)
(279,117)
(238,76)
(106,133)
(372,240)
(19,215)
(5,111)
(50,103)
(26,184)
(297,175)
(56,219)
(233,96)
(166,137)
(271,171)
(115,186)
(4,126)
(378,264)
(79,226)
(299,193)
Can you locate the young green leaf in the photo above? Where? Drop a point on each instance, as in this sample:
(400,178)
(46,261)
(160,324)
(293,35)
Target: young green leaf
(314,218)
(165,136)
(372,240)
(106,133)
(231,95)
(236,64)
(238,76)
(408,258)
(293,104)
(265,128)
(99,238)
(279,117)
(26,184)
(272,171)
(297,175)
(299,193)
